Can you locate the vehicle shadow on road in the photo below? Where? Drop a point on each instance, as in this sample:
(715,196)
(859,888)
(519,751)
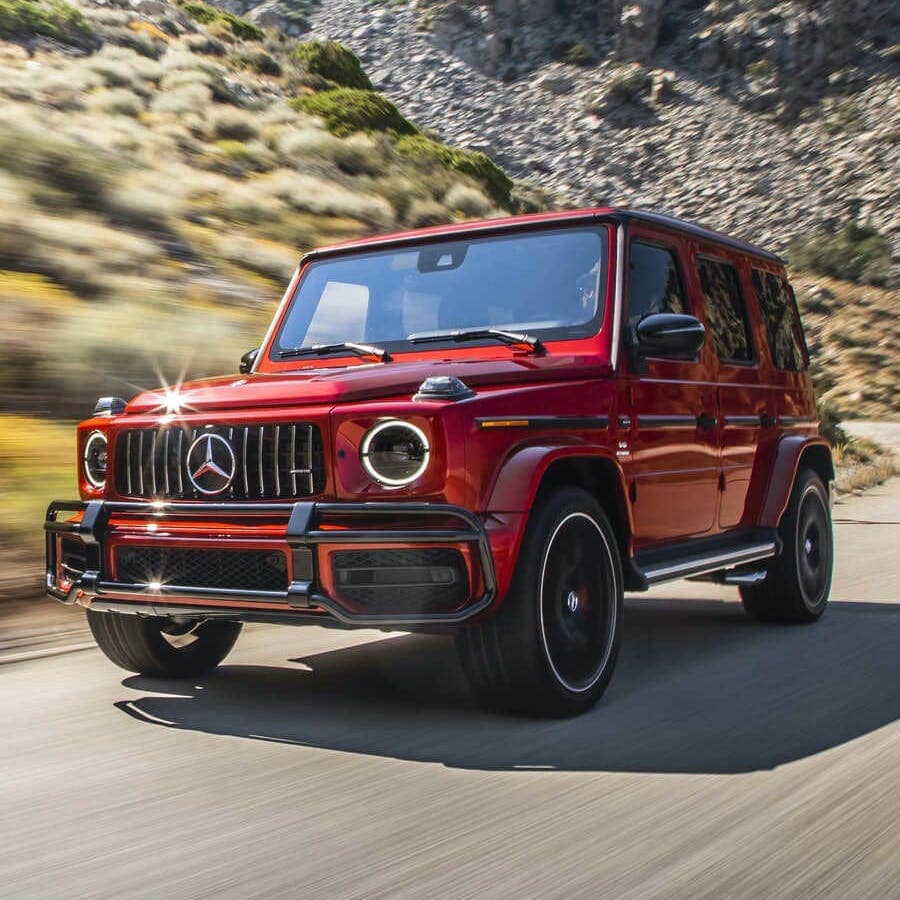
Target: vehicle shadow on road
(699,689)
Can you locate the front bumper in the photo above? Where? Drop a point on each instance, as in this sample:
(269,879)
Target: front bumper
(94,523)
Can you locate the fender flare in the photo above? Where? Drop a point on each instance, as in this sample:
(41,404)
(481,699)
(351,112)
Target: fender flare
(519,479)
(793,449)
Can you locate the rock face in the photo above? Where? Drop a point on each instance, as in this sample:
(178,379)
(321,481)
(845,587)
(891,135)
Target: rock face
(639,26)
(768,119)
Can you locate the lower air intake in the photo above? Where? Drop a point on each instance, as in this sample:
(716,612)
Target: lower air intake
(401,582)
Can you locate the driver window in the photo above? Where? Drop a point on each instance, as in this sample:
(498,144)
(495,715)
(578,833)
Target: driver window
(655,286)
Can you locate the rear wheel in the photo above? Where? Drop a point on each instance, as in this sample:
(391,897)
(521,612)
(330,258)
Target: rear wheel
(798,582)
(151,645)
(552,646)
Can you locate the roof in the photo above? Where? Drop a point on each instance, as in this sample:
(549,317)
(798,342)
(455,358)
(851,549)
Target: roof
(514,223)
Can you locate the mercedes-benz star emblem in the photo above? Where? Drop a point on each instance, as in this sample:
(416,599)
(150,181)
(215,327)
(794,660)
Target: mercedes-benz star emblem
(211,464)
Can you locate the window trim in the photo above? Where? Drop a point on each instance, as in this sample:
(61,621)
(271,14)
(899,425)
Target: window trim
(674,251)
(796,324)
(753,361)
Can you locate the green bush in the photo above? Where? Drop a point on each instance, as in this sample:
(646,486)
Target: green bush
(51,18)
(473,163)
(334,62)
(260,61)
(855,253)
(578,54)
(345,110)
(208,15)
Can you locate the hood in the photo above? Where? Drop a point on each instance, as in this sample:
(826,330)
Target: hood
(361,382)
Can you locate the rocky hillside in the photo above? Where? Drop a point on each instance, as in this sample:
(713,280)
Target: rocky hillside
(774,120)
(163,164)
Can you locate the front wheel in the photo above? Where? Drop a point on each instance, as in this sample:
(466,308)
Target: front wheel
(151,645)
(551,648)
(798,582)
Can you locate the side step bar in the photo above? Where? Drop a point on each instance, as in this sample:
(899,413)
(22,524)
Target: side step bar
(706,556)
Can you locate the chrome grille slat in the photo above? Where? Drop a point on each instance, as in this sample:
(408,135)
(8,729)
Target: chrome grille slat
(231,441)
(276,462)
(180,462)
(140,464)
(293,461)
(309,457)
(128,461)
(244,461)
(166,462)
(151,463)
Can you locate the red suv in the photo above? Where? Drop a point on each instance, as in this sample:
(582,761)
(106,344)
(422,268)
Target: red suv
(493,429)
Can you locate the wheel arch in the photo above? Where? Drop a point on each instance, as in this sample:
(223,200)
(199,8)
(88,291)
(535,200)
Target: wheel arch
(794,452)
(532,471)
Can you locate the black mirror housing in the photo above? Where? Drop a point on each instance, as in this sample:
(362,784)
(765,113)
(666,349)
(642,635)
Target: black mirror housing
(669,336)
(248,359)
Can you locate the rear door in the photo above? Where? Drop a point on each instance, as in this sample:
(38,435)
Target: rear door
(791,395)
(673,441)
(743,400)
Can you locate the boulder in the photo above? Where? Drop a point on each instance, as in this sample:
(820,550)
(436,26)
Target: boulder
(639,24)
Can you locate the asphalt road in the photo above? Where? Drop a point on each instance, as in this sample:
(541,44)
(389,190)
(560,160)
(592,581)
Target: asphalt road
(727,759)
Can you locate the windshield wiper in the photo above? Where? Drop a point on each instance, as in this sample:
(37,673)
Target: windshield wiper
(364,350)
(513,339)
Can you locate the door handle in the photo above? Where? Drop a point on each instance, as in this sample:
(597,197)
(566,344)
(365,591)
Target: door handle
(705,421)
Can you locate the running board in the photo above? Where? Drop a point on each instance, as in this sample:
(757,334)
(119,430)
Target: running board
(704,556)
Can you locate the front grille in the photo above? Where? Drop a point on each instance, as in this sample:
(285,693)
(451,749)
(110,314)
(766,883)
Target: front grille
(270,461)
(249,570)
(401,582)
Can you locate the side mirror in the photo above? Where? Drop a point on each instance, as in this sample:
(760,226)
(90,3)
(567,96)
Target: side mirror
(248,359)
(669,336)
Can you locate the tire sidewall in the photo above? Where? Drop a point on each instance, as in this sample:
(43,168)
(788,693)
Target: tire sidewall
(525,600)
(811,485)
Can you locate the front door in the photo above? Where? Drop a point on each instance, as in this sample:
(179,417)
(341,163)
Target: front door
(674,461)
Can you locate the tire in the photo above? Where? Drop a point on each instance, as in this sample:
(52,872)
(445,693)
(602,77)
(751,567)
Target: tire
(551,648)
(156,646)
(798,582)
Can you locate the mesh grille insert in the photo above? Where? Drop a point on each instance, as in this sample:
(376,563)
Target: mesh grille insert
(251,570)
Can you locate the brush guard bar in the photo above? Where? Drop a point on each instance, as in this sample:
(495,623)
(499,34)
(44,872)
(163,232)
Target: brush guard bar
(302,534)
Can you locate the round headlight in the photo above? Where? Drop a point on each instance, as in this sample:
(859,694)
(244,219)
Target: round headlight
(94,459)
(395,453)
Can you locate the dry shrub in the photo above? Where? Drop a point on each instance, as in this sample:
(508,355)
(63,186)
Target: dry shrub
(304,192)
(269,259)
(467,200)
(194,97)
(228,123)
(117,102)
(425,213)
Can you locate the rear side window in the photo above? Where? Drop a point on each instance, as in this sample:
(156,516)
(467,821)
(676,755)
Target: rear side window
(725,311)
(780,318)
(655,286)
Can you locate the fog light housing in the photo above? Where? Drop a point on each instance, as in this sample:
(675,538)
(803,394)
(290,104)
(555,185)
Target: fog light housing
(93,459)
(395,453)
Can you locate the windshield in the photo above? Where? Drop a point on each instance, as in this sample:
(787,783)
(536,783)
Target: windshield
(550,284)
